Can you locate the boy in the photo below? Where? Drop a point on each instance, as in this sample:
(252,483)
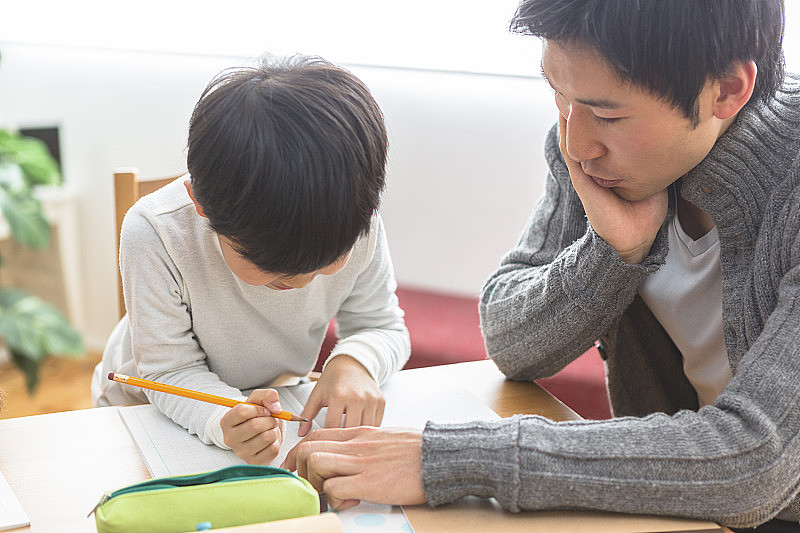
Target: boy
(232,273)
(678,143)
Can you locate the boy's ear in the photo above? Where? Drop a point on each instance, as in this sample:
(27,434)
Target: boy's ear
(735,90)
(188,185)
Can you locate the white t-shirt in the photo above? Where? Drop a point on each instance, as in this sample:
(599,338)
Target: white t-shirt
(685,295)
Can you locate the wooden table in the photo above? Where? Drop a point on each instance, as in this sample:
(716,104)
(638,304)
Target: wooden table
(60,464)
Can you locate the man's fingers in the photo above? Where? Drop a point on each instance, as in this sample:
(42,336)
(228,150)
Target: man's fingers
(334,474)
(339,493)
(327,464)
(341,505)
(296,457)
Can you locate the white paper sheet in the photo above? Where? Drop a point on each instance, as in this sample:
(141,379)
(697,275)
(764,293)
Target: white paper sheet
(12,515)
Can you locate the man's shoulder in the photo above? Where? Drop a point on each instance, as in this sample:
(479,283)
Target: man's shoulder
(552,152)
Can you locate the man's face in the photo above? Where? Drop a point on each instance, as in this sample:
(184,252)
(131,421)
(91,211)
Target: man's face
(625,138)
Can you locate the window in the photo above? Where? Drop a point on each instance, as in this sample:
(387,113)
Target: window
(455,35)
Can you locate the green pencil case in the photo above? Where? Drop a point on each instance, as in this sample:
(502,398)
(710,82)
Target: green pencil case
(232,496)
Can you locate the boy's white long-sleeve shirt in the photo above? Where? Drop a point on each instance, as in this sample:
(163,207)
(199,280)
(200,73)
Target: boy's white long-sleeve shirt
(192,323)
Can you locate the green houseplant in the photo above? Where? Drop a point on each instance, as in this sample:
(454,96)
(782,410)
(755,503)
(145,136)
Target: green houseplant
(30,329)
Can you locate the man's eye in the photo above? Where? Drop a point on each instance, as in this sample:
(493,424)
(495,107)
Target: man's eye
(607,120)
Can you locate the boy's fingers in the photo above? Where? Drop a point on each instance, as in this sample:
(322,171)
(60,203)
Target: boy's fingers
(333,418)
(309,412)
(354,417)
(238,434)
(379,413)
(268,398)
(252,445)
(241,413)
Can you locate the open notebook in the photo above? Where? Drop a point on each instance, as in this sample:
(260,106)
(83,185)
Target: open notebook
(169,450)
(411,400)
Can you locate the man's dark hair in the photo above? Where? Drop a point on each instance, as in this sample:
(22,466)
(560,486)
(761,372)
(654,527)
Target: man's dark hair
(671,48)
(287,160)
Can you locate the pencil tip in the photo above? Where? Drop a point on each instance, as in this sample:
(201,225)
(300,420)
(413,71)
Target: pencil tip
(296,418)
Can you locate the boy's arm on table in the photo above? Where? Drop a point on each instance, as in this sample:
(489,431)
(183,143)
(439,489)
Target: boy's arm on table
(370,322)
(164,346)
(374,345)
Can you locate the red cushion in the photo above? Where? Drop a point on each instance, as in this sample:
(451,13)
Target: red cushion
(445,328)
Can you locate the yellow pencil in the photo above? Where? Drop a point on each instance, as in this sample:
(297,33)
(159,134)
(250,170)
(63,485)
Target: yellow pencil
(195,395)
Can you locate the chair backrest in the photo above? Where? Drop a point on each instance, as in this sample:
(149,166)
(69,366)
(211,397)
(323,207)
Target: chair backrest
(128,188)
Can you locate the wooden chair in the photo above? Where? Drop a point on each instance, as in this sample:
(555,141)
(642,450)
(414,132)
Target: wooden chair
(129,187)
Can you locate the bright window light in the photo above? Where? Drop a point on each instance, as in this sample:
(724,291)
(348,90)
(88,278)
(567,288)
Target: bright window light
(452,35)
(456,35)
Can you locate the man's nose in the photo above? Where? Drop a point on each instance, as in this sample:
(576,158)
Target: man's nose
(583,142)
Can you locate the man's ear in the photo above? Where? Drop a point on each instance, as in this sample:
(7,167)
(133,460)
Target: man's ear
(735,89)
(188,185)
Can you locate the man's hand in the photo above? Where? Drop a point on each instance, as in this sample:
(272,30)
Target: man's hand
(250,431)
(346,388)
(630,227)
(379,465)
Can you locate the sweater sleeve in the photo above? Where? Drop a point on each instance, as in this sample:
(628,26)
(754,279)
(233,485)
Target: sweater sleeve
(561,287)
(163,344)
(370,321)
(736,462)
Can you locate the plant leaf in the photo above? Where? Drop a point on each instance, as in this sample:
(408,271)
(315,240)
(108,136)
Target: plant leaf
(29,367)
(25,217)
(34,329)
(31,156)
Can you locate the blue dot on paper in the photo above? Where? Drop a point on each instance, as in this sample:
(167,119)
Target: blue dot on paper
(407,527)
(370,520)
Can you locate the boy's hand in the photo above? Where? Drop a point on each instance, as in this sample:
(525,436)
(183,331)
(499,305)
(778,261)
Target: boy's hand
(253,435)
(630,227)
(346,388)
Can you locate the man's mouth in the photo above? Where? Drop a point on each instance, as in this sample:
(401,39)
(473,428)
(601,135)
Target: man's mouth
(604,182)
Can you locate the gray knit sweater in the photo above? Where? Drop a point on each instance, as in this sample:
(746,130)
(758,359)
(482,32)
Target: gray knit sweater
(562,288)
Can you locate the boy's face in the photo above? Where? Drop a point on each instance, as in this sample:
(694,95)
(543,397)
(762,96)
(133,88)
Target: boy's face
(252,275)
(625,138)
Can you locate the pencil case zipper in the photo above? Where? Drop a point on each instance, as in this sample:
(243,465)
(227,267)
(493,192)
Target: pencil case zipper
(238,473)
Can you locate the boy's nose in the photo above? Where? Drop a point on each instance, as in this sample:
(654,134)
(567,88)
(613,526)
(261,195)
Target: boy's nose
(300,281)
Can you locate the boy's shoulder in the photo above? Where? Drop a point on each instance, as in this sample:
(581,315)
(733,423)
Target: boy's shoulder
(167,210)
(170,197)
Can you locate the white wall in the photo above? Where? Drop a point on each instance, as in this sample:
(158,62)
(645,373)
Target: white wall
(465,169)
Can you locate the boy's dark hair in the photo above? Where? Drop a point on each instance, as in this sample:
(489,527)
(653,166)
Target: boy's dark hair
(287,160)
(668,47)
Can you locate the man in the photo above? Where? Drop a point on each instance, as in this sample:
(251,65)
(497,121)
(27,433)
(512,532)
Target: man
(678,143)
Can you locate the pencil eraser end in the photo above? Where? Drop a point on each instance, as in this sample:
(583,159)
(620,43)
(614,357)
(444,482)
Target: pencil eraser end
(111,376)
